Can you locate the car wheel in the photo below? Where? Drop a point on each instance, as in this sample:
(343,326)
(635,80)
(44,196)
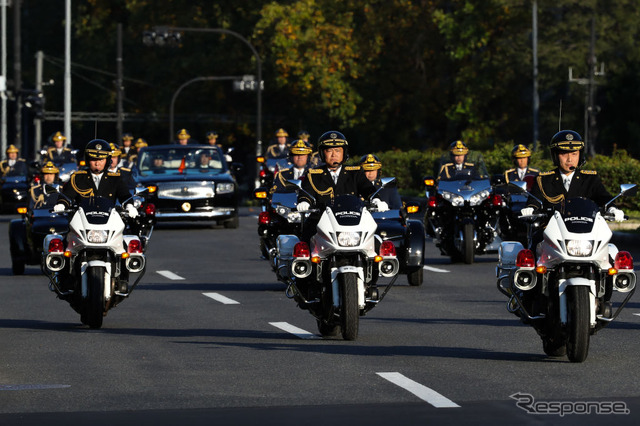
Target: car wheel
(232,223)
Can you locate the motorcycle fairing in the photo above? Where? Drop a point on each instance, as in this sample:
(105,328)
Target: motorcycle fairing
(114,226)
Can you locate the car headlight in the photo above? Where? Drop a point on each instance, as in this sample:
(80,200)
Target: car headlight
(348,239)
(96,236)
(455,199)
(476,199)
(224,188)
(580,248)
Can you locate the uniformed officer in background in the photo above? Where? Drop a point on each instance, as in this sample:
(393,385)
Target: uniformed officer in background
(458,161)
(12,165)
(299,155)
(521,155)
(59,153)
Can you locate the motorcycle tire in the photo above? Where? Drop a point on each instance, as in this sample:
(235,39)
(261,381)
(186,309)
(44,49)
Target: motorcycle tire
(554,346)
(416,278)
(578,327)
(95,296)
(349,310)
(328,330)
(468,244)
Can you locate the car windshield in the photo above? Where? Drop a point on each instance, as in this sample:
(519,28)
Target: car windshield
(181,160)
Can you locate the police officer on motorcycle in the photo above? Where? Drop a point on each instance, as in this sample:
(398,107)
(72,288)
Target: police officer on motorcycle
(58,153)
(280,149)
(568,179)
(12,165)
(299,155)
(42,196)
(521,156)
(372,167)
(96,181)
(458,151)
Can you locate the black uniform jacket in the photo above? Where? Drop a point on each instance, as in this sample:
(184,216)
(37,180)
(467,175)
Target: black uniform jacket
(511,175)
(41,199)
(280,182)
(449,169)
(64,157)
(319,183)
(81,185)
(273,151)
(18,169)
(549,188)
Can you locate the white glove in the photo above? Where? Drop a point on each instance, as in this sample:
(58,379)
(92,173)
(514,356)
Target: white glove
(59,208)
(527,211)
(303,206)
(380,205)
(618,214)
(131,211)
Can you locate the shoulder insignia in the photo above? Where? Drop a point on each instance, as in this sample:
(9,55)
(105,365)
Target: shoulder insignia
(547,173)
(447,164)
(469,164)
(588,172)
(113,174)
(316,171)
(510,170)
(126,169)
(531,169)
(352,168)
(80,172)
(285,170)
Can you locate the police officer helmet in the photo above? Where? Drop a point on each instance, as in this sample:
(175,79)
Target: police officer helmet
(115,151)
(141,143)
(12,148)
(97,149)
(49,167)
(333,139)
(458,148)
(370,162)
(567,141)
(212,135)
(520,151)
(183,134)
(281,132)
(300,147)
(127,137)
(58,136)
(303,134)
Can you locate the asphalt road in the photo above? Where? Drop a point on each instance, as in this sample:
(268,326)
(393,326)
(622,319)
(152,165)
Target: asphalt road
(210,336)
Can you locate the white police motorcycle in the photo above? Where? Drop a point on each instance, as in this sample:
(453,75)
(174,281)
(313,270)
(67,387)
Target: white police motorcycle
(564,288)
(92,265)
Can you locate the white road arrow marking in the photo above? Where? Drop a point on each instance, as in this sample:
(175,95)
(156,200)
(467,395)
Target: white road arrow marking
(431,268)
(421,391)
(303,334)
(222,299)
(170,275)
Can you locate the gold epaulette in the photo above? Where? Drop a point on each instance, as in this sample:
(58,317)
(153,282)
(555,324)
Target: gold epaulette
(316,171)
(352,168)
(588,172)
(80,172)
(547,173)
(447,164)
(531,169)
(284,170)
(510,170)
(125,169)
(469,164)
(113,174)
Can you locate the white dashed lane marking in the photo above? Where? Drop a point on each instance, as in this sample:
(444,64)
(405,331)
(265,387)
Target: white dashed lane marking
(421,391)
(431,268)
(170,275)
(222,299)
(298,332)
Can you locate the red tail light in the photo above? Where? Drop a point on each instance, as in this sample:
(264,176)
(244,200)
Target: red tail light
(56,246)
(623,260)
(387,249)
(134,246)
(264,218)
(301,249)
(496,200)
(150,209)
(263,173)
(525,259)
(433,201)
(36,179)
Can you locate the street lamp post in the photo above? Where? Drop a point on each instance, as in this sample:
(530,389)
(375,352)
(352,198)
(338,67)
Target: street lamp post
(166,33)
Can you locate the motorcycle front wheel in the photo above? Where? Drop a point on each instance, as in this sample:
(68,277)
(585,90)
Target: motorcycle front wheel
(578,328)
(328,330)
(95,296)
(349,310)
(467,243)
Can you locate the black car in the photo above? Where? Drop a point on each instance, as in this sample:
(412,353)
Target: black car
(14,192)
(188,183)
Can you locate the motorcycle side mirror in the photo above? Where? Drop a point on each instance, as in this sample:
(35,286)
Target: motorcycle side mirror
(518,185)
(141,190)
(43,152)
(385,181)
(626,189)
(298,183)
(497,180)
(50,189)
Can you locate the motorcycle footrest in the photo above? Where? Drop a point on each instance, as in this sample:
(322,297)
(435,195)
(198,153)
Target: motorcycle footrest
(117,293)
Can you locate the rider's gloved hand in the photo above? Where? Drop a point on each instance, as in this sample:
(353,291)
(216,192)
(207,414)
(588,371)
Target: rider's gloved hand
(131,211)
(59,208)
(618,215)
(380,205)
(527,211)
(303,206)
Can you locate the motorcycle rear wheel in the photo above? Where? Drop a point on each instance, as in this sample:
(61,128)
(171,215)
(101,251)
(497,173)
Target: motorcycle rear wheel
(467,243)
(349,310)
(95,296)
(578,328)
(416,278)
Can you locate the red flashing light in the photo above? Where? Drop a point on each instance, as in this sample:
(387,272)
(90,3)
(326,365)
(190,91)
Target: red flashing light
(135,246)
(264,218)
(263,173)
(301,249)
(387,249)
(56,246)
(433,201)
(525,259)
(496,200)
(623,260)
(150,209)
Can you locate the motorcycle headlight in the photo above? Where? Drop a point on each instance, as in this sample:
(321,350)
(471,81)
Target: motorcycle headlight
(455,199)
(96,236)
(580,248)
(224,188)
(476,199)
(348,239)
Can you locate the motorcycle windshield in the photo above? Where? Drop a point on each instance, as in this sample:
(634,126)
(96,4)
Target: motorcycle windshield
(347,209)
(97,209)
(287,199)
(578,214)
